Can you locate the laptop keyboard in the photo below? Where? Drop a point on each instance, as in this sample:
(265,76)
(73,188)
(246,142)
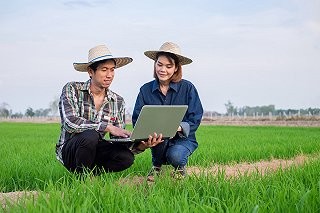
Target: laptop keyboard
(120,140)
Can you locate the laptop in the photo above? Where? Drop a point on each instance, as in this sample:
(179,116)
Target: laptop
(164,119)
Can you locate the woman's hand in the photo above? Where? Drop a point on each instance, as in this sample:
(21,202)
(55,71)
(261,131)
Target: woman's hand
(152,141)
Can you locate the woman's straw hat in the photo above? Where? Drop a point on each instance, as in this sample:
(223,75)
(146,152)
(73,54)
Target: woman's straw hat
(169,47)
(100,53)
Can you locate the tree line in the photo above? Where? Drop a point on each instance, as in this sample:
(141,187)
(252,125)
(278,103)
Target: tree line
(268,109)
(231,109)
(52,110)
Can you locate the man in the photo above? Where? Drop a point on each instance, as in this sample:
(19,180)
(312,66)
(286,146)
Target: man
(88,111)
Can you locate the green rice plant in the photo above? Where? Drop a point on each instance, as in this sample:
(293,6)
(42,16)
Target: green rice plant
(283,191)
(30,158)
(29,163)
(225,144)
(29,155)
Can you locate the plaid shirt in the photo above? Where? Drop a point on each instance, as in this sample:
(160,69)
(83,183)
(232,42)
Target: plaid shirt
(78,112)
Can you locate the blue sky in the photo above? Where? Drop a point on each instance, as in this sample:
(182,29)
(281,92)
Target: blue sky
(249,52)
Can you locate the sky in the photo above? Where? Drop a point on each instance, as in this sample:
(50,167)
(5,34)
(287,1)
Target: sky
(249,52)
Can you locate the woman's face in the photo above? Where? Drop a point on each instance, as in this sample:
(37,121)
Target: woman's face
(164,69)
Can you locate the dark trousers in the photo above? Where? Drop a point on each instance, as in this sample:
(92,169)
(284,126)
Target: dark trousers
(88,151)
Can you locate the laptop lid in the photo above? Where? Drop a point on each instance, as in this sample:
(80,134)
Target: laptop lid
(164,119)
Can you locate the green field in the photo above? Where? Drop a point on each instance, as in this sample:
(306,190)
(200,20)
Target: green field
(28,163)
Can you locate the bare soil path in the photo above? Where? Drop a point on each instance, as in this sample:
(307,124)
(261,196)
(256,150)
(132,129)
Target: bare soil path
(261,167)
(234,170)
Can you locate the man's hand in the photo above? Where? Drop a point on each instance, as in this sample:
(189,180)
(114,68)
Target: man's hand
(152,141)
(117,131)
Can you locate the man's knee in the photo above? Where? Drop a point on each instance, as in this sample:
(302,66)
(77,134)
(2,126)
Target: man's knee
(123,161)
(127,159)
(90,135)
(89,138)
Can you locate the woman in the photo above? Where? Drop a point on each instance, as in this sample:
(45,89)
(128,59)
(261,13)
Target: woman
(168,88)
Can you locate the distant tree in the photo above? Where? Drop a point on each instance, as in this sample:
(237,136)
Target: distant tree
(4,110)
(42,112)
(265,110)
(230,108)
(17,115)
(313,111)
(29,112)
(54,106)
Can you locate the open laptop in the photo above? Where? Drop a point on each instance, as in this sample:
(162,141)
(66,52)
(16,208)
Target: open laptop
(164,119)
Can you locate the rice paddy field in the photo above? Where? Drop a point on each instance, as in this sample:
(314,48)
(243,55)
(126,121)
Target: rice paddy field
(28,165)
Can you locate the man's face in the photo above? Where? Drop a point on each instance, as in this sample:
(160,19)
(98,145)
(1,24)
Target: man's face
(104,74)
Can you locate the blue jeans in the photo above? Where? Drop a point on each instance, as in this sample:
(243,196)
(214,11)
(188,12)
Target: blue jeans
(174,152)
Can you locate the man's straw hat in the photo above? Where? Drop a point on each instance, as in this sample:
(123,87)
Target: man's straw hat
(100,53)
(170,48)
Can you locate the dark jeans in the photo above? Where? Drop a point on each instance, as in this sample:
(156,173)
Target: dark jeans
(88,151)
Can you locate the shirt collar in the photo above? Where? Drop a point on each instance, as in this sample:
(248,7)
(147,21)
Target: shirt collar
(85,85)
(156,86)
(109,93)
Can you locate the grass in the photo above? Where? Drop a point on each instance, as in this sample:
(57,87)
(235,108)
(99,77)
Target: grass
(221,144)
(30,164)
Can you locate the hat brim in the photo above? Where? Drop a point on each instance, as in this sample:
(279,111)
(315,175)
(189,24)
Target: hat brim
(153,55)
(120,62)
